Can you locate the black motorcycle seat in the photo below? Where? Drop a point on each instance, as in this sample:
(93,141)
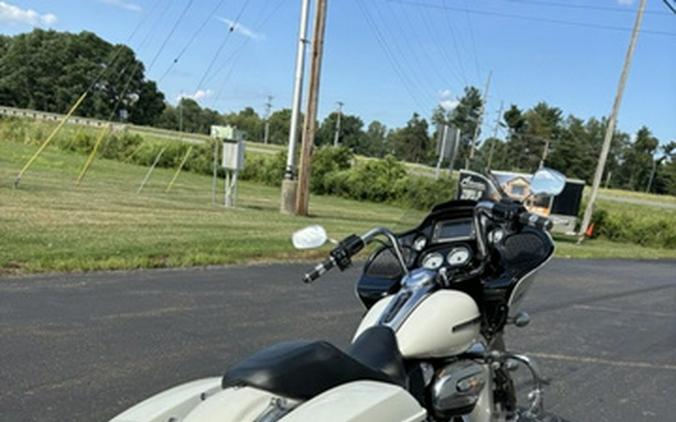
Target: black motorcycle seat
(303,369)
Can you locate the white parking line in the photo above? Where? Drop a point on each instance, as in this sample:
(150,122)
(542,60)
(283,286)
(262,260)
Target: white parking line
(619,363)
(624,311)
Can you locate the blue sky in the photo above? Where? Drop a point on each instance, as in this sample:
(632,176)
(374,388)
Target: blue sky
(429,49)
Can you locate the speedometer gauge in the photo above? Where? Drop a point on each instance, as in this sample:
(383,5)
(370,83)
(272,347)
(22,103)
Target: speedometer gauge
(433,261)
(458,256)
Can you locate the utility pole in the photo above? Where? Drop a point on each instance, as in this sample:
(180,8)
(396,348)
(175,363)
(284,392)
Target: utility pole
(180,115)
(309,129)
(442,138)
(479,122)
(336,138)
(545,151)
(610,131)
(495,136)
(289,184)
(268,108)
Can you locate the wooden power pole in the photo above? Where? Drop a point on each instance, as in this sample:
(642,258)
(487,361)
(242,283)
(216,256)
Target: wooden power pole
(309,129)
(610,131)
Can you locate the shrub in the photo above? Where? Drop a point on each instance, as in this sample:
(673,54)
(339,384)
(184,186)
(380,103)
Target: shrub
(326,160)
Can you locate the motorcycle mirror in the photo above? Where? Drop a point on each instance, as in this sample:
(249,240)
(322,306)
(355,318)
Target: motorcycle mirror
(547,182)
(310,237)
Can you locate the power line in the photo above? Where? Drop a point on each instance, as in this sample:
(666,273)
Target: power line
(388,53)
(473,43)
(583,6)
(455,45)
(222,45)
(406,59)
(531,18)
(237,53)
(171,32)
(672,8)
(416,59)
(191,40)
(437,41)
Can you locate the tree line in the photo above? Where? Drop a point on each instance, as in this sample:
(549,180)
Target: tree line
(49,70)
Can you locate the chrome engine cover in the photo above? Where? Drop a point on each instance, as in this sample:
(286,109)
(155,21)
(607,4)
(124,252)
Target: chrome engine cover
(456,387)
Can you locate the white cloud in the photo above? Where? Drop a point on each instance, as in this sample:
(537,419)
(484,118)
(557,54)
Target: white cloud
(200,94)
(122,4)
(625,2)
(14,14)
(241,29)
(446,100)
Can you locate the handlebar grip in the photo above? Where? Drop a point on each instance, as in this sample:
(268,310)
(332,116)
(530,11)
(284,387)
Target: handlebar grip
(319,270)
(536,221)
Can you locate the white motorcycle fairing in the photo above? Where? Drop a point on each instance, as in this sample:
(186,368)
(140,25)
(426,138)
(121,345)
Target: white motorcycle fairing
(205,401)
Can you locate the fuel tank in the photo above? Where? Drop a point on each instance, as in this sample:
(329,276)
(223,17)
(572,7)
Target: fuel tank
(443,324)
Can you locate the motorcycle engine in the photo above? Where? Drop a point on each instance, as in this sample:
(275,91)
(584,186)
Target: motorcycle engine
(456,387)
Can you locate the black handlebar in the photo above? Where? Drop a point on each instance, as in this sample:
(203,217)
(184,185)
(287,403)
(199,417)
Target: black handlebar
(536,221)
(514,211)
(341,257)
(319,270)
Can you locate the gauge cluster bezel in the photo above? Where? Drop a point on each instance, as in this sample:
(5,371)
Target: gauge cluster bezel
(444,250)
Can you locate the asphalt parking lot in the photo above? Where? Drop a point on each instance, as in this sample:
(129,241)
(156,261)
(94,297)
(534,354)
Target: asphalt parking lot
(84,347)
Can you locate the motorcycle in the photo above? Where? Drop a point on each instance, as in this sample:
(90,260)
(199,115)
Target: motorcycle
(430,346)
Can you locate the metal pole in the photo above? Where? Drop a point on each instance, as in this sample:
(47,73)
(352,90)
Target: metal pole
(544,153)
(477,128)
(17,180)
(610,131)
(92,155)
(178,171)
(303,194)
(150,170)
(442,150)
(495,137)
(456,144)
(214,177)
(290,171)
(336,137)
(268,107)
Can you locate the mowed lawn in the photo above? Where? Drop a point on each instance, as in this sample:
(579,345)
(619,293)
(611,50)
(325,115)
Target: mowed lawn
(50,225)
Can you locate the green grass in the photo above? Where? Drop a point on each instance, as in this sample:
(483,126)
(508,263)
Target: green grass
(49,225)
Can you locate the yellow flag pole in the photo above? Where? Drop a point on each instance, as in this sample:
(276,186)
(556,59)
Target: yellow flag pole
(17,180)
(92,155)
(178,171)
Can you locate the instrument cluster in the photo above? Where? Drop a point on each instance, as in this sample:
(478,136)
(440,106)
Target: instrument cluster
(454,256)
(450,254)
(452,250)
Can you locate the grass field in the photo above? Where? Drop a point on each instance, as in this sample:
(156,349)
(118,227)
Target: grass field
(49,225)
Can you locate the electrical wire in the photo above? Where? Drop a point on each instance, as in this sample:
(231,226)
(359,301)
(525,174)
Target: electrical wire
(473,43)
(532,18)
(583,6)
(191,40)
(388,53)
(171,32)
(237,53)
(672,8)
(119,49)
(222,45)
(427,23)
(455,46)
(413,61)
